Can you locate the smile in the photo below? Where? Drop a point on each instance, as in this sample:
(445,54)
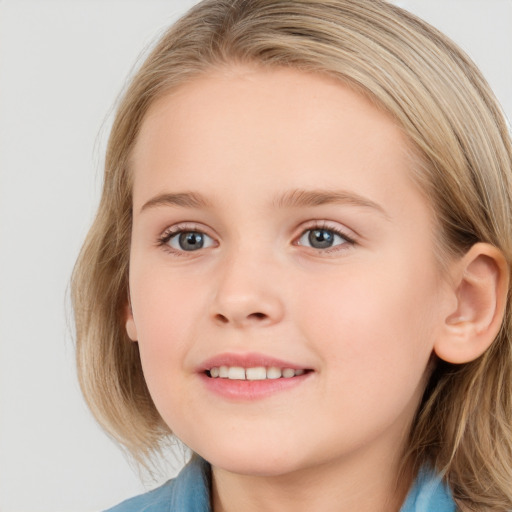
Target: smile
(243,377)
(254,373)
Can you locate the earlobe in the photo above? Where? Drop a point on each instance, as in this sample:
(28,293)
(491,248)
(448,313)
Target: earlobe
(131,329)
(480,285)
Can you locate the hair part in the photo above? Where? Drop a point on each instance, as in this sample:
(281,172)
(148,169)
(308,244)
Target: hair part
(462,161)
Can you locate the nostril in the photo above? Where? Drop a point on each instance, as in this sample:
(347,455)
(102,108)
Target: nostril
(258,316)
(221,318)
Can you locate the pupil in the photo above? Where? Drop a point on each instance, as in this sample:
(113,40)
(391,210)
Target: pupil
(321,238)
(191,241)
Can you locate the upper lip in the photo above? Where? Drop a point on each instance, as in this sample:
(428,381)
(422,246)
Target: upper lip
(247,360)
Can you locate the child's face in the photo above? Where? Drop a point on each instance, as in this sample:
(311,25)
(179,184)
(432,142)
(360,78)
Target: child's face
(275,218)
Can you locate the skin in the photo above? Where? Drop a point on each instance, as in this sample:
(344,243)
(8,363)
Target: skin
(364,315)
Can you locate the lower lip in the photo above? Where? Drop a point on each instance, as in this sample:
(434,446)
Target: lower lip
(247,390)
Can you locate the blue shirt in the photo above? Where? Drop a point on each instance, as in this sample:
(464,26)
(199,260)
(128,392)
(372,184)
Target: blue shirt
(190,492)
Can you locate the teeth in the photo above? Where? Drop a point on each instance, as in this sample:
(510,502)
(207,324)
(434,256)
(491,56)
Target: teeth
(288,372)
(236,373)
(258,373)
(274,373)
(255,373)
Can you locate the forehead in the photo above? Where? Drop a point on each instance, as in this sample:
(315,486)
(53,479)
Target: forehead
(279,126)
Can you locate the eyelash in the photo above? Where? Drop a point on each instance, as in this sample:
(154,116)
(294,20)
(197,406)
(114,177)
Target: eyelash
(324,226)
(167,235)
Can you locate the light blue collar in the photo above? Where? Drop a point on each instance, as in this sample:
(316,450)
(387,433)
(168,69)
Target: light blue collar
(192,487)
(190,492)
(428,494)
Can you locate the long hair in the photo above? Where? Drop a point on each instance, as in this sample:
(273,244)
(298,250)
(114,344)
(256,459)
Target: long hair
(463,427)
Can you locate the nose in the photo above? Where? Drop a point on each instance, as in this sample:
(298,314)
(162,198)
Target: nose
(248,293)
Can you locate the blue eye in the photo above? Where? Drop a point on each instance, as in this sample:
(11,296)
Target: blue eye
(321,238)
(189,241)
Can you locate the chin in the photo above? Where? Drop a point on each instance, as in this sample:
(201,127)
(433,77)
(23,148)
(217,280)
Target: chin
(264,467)
(251,461)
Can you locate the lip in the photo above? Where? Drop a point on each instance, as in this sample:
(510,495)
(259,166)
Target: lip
(249,390)
(247,360)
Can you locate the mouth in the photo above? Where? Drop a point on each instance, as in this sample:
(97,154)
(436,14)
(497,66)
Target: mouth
(243,377)
(254,373)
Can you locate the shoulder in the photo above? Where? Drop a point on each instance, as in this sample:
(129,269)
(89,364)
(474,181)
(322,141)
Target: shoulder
(188,492)
(151,501)
(429,493)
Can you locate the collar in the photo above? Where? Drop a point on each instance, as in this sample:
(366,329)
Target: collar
(192,490)
(192,487)
(429,493)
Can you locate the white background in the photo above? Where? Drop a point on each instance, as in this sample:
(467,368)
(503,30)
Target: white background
(62,64)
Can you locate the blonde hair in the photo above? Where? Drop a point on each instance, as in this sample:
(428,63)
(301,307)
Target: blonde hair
(463,427)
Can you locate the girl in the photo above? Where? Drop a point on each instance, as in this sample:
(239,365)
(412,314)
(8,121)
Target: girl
(300,265)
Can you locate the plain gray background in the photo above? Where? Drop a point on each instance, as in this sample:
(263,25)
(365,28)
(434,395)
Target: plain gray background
(62,65)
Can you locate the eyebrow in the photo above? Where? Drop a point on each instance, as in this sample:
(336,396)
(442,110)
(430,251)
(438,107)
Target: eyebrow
(292,199)
(182,199)
(304,198)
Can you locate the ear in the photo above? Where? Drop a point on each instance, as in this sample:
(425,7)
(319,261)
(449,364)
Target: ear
(131,329)
(480,284)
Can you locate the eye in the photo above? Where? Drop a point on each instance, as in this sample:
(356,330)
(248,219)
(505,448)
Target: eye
(189,241)
(322,238)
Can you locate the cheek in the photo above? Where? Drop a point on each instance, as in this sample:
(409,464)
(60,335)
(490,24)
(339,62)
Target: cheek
(164,310)
(372,328)
(162,304)
(162,325)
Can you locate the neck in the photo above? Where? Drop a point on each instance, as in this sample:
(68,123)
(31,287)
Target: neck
(330,487)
